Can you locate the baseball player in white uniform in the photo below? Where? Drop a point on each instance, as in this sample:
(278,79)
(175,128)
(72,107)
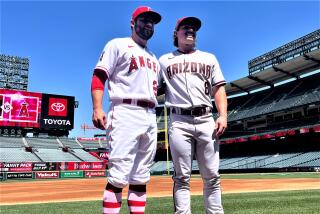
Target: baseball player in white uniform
(132,72)
(192,77)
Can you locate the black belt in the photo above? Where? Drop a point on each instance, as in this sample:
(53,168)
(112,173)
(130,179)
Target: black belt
(196,111)
(141,103)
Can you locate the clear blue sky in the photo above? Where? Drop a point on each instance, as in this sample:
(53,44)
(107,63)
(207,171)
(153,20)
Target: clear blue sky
(64,39)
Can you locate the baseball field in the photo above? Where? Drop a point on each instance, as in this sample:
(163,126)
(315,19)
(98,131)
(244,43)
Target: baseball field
(242,194)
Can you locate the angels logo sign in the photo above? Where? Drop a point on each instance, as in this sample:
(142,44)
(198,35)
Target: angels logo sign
(58,107)
(19,108)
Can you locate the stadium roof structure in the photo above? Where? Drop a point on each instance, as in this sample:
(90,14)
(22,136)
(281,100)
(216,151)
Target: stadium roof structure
(299,57)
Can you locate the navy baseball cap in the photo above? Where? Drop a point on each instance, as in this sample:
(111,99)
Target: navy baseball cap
(193,21)
(146,10)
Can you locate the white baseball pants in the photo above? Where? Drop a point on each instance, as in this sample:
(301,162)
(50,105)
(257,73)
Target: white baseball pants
(190,135)
(132,142)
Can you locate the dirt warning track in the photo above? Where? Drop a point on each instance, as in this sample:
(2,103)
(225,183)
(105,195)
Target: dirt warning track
(92,189)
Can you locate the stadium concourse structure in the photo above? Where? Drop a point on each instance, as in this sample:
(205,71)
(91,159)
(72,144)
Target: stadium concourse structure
(273,114)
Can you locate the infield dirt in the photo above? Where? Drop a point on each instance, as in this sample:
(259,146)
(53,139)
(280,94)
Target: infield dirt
(160,186)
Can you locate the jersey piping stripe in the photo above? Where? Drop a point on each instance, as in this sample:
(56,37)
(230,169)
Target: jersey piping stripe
(103,69)
(219,83)
(110,138)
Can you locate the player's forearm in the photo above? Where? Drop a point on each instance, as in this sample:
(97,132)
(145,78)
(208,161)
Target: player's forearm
(221,102)
(97,96)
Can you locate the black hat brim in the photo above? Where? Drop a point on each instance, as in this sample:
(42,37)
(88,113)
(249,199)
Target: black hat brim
(194,21)
(155,16)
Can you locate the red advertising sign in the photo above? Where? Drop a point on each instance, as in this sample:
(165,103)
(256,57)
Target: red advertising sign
(103,156)
(69,165)
(98,165)
(66,166)
(84,166)
(45,175)
(58,107)
(89,174)
(19,108)
(91,138)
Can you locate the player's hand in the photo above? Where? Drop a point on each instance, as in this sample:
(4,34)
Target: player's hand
(221,125)
(99,119)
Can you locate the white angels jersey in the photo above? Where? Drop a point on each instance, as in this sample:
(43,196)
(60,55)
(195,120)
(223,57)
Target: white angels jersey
(132,70)
(189,78)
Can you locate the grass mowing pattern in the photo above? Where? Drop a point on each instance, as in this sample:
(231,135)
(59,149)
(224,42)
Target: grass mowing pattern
(285,202)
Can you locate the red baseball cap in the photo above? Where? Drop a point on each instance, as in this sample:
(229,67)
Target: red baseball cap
(194,21)
(145,9)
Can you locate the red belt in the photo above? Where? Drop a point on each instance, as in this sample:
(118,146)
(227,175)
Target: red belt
(141,103)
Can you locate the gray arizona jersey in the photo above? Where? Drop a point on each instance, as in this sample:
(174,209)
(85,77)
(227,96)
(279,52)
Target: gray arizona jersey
(189,78)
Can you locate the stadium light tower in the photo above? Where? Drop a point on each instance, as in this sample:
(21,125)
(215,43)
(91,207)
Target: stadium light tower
(14,72)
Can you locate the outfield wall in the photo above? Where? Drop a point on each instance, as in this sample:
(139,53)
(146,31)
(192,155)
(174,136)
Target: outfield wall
(52,170)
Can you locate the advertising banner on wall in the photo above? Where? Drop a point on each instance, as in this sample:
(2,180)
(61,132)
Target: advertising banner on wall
(21,175)
(103,156)
(50,166)
(69,166)
(89,174)
(57,112)
(85,165)
(16,167)
(19,108)
(46,175)
(98,166)
(82,166)
(72,174)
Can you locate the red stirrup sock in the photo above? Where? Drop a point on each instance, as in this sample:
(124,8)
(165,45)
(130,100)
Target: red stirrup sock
(137,199)
(112,198)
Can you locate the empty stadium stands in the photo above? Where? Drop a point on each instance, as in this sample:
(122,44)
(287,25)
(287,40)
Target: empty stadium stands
(71,143)
(48,143)
(42,149)
(11,142)
(83,155)
(91,144)
(55,155)
(293,94)
(17,155)
(276,161)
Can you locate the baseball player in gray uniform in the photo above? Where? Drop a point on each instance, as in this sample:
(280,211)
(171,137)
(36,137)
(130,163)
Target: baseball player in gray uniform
(132,72)
(192,78)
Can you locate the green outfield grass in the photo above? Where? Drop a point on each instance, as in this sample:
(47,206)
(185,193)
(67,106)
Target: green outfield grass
(285,202)
(277,175)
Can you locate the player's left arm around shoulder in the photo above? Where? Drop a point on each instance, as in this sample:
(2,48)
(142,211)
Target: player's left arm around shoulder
(220,98)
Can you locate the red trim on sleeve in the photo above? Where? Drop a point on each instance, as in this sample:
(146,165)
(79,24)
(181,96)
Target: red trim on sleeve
(98,80)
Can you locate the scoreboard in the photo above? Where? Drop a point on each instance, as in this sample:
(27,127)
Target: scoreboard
(36,110)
